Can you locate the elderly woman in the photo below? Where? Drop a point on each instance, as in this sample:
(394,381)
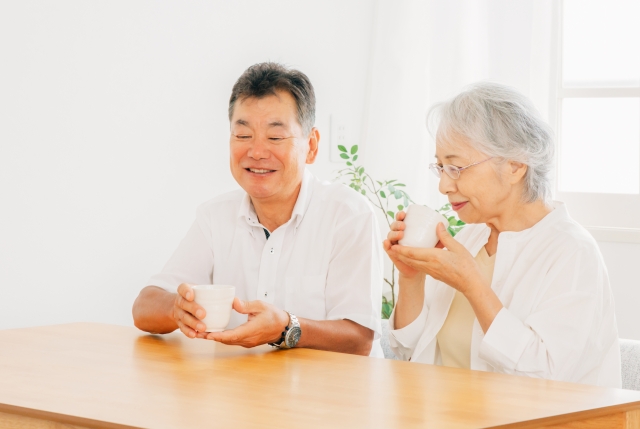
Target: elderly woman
(522,289)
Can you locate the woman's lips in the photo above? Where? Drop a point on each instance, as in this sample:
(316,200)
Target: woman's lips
(458,206)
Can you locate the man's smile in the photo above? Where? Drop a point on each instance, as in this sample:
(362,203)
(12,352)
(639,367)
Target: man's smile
(259,170)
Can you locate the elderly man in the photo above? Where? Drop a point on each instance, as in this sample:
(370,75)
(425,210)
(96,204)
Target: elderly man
(286,240)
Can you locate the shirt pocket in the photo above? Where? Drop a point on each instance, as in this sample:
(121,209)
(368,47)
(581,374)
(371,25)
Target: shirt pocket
(306,296)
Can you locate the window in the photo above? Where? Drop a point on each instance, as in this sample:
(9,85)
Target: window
(598,112)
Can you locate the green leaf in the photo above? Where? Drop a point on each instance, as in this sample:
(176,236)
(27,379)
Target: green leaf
(394,180)
(361,170)
(397,194)
(460,223)
(382,194)
(400,184)
(354,149)
(344,156)
(342,148)
(351,185)
(406,200)
(348,163)
(363,192)
(390,213)
(379,182)
(386,310)
(400,207)
(355,158)
(391,188)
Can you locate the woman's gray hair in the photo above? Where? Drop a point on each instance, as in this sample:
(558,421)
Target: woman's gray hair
(502,123)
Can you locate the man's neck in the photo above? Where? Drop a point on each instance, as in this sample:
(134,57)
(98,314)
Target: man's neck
(274,213)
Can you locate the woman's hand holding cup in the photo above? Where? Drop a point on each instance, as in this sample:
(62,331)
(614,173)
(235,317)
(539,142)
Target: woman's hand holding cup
(393,237)
(415,228)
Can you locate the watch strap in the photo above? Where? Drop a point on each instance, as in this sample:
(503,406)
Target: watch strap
(280,342)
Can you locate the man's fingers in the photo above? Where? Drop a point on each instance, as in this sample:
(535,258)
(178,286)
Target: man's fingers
(246,307)
(400,215)
(185,291)
(190,307)
(232,336)
(192,322)
(185,329)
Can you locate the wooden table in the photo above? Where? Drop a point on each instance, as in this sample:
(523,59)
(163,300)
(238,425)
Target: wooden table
(93,375)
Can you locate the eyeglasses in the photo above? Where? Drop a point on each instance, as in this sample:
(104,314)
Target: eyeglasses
(451,170)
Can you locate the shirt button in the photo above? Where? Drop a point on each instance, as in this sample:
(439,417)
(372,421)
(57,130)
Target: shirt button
(271,251)
(265,294)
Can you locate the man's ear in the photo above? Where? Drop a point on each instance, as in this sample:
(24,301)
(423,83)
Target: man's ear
(517,170)
(314,140)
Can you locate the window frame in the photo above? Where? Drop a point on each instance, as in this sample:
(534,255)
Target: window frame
(609,217)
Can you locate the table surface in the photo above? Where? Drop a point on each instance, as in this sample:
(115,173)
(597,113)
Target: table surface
(97,375)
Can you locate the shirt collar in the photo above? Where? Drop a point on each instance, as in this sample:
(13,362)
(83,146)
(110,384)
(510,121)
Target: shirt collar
(248,212)
(558,214)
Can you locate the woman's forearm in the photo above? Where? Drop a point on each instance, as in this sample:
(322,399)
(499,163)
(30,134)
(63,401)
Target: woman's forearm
(485,303)
(410,300)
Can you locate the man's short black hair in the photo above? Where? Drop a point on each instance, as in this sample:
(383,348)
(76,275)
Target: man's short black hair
(263,79)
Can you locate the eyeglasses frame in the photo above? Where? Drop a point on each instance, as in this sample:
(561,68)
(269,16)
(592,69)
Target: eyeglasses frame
(435,167)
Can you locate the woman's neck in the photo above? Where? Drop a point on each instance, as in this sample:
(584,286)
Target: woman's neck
(517,218)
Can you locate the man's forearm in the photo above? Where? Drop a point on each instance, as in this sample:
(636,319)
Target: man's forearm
(152,310)
(344,336)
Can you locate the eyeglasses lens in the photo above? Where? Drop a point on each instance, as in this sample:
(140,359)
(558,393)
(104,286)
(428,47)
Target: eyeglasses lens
(435,169)
(451,171)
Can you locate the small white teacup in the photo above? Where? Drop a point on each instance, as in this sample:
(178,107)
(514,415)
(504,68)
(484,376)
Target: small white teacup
(217,301)
(421,223)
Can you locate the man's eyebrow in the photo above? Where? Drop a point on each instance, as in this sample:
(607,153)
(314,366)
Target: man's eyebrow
(242,122)
(276,124)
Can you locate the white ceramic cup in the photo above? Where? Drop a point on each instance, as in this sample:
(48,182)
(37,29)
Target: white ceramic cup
(217,301)
(420,226)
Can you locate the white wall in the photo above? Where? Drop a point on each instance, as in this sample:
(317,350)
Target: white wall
(113,124)
(113,128)
(623,260)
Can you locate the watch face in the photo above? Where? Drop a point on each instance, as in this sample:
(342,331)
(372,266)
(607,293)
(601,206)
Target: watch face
(293,336)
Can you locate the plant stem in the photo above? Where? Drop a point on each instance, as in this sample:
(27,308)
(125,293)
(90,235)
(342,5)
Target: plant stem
(375,192)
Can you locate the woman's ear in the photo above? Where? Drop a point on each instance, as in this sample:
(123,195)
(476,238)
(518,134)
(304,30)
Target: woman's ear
(517,170)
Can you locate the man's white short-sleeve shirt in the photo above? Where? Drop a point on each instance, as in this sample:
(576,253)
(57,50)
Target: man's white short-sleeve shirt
(325,263)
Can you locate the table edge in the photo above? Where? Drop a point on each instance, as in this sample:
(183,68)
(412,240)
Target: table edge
(61,418)
(576,416)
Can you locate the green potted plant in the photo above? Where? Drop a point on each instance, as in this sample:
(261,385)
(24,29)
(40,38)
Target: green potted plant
(388,196)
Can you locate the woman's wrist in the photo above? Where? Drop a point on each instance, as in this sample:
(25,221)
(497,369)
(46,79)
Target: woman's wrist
(410,281)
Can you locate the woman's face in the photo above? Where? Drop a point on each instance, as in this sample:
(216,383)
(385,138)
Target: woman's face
(483,191)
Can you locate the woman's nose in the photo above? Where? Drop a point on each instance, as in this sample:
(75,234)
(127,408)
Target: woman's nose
(447,185)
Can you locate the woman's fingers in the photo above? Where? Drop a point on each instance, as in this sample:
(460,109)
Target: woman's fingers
(395,236)
(397,226)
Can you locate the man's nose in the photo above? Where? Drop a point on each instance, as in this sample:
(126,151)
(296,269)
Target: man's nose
(259,148)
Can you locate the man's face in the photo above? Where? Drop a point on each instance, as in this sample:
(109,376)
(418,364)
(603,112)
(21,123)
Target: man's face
(268,148)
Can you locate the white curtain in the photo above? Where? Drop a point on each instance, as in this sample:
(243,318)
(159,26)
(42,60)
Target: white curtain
(424,52)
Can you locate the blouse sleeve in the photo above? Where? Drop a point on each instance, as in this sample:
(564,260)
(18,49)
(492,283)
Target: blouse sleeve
(403,341)
(573,322)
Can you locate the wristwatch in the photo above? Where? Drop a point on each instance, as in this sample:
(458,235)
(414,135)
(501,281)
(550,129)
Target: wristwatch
(290,335)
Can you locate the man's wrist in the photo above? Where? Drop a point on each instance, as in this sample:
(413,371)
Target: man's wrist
(282,322)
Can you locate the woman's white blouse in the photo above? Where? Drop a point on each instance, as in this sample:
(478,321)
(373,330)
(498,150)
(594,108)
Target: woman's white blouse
(558,320)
